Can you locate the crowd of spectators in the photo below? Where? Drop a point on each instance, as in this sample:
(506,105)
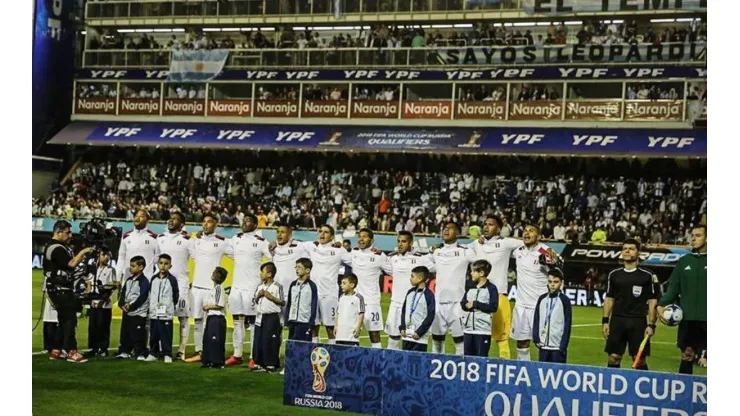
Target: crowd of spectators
(395,194)
(96,90)
(393,36)
(324,92)
(376,92)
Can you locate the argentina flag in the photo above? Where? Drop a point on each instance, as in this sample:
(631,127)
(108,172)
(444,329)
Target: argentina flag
(196,66)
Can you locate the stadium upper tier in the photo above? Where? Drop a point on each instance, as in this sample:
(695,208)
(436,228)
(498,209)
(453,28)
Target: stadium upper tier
(149,12)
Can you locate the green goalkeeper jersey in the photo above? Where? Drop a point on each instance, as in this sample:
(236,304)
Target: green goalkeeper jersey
(688,287)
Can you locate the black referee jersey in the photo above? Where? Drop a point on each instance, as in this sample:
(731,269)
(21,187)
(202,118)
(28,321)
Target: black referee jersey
(631,290)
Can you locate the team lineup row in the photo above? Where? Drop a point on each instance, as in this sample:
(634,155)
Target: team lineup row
(534,262)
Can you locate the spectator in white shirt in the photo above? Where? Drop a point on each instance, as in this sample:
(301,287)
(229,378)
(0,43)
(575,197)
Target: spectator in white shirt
(389,94)
(192,93)
(155,93)
(182,93)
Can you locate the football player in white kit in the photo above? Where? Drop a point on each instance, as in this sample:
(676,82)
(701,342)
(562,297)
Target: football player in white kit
(140,241)
(285,252)
(451,261)
(177,244)
(367,265)
(327,259)
(208,249)
(248,251)
(497,251)
(531,283)
(399,265)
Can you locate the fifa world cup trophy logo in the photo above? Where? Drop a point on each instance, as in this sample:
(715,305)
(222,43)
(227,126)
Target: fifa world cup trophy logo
(320,359)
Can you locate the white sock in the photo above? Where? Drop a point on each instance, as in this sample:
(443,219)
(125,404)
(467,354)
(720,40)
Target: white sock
(332,341)
(522,354)
(459,348)
(251,341)
(238,338)
(394,344)
(315,340)
(438,347)
(199,330)
(184,333)
(377,345)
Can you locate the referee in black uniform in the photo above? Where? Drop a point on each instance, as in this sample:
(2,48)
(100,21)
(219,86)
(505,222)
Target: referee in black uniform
(631,295)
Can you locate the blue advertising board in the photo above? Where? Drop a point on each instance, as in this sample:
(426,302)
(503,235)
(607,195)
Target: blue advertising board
(504,73)
(388,382)
(674,142)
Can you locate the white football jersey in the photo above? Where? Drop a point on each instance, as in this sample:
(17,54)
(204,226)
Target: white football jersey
(248,251)
(327,260)
(531,276)
(497,251)
(284,256)
(350,306)
(451,262)
(399,266)
(177,246)
(208,250)
(137,243)
(368,266)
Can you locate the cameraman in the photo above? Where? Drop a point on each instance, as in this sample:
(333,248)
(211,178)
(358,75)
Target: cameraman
(59,264)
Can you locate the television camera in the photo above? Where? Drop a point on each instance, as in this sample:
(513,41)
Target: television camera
(96,234)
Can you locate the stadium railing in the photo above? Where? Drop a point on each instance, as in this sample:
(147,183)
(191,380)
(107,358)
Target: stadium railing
(113,9)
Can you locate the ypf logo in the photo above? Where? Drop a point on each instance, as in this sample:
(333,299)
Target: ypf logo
(320,359)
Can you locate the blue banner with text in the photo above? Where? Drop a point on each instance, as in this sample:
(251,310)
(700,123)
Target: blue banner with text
(388,382)
(516,139)
(399,75)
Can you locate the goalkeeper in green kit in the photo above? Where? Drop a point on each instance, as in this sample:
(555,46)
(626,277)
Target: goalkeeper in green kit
(688,287)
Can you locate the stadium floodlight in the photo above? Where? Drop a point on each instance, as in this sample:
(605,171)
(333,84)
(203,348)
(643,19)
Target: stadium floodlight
(662,20)
(163,30)
(299,28)
(83,33)
(442,26)
(617,22)
(688,19)
(211,29)
(544,23)
(178,30)
(573,23)
(125,30)
(229,29)
(463,25)
(524,24)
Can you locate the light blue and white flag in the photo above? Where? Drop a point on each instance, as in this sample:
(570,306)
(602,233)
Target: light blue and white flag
(197,66)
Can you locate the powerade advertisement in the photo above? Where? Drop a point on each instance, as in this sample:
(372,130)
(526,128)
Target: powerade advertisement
(673,142)
(388,382)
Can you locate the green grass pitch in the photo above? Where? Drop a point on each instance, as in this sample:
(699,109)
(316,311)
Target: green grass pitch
(138,388)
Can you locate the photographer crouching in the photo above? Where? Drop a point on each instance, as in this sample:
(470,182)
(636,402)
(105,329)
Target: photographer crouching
(59,265)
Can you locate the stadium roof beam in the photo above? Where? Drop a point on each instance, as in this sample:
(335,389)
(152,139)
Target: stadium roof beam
(448,17)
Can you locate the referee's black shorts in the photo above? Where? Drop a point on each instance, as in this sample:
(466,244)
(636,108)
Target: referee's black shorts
(692,334)
(624,331)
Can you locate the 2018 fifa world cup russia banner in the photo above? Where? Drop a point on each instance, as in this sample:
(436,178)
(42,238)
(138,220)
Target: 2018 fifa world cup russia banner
(387,382)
